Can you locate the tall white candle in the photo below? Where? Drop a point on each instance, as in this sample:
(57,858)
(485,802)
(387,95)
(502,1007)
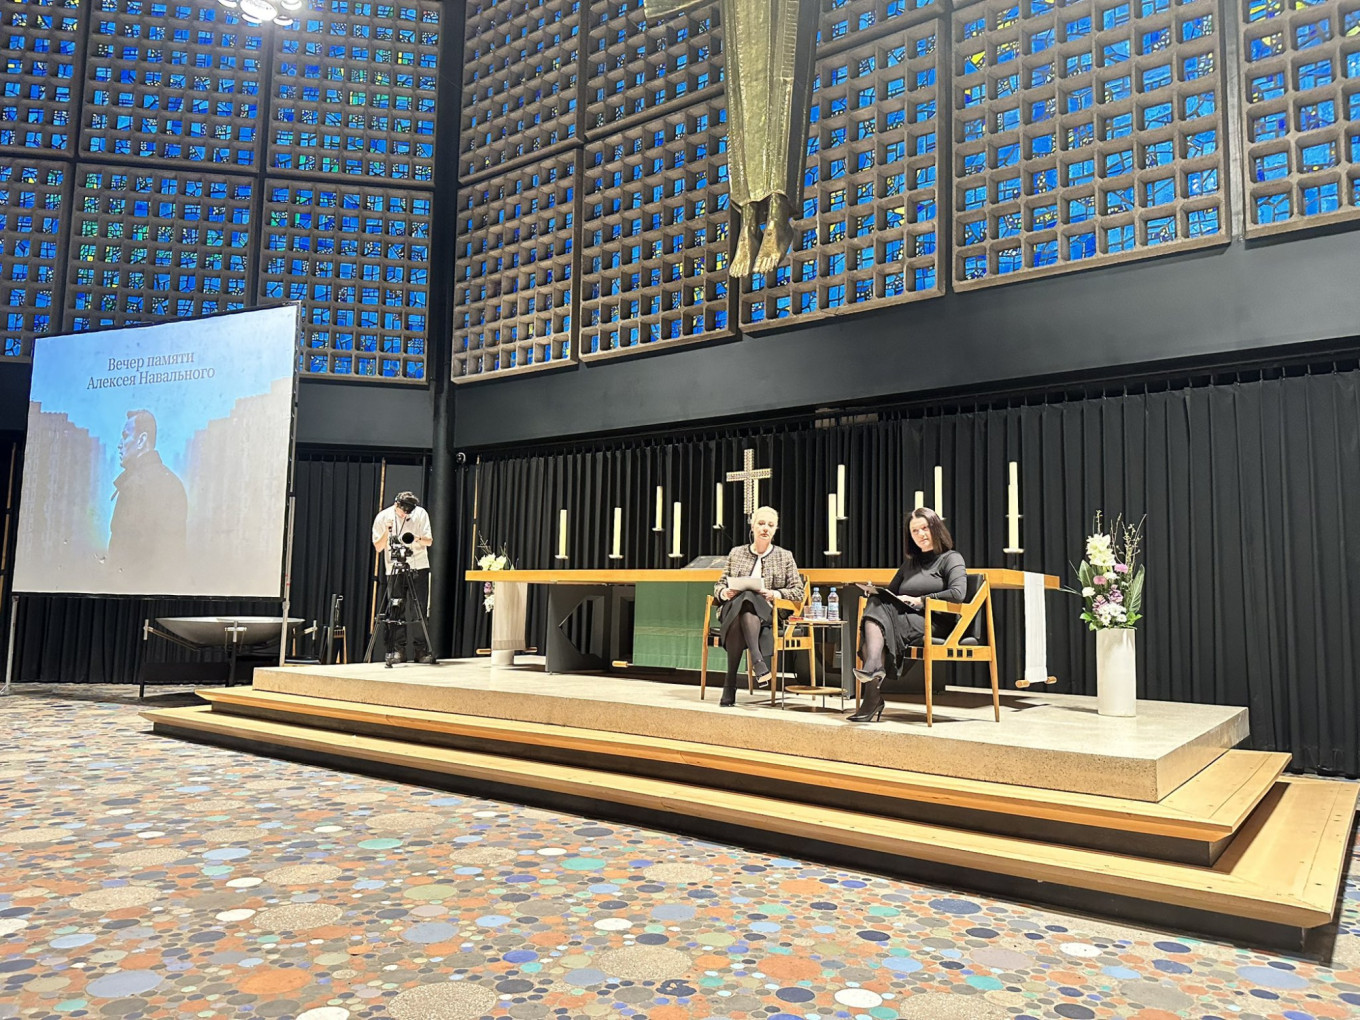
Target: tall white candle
(1013,508)
(717,504)
(939,490)
(840,491)
(562,534)
(618,529)
(918,500)
(675,523)
(660,502)
(831,505)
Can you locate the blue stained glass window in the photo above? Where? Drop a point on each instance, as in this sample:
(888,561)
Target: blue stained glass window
(974,163)
(974,267)
(1272,208)
(1313,34)
(1119,239)
(1113,17)
(1009,260)
(1081,209)
(1197,28)
(1158,153)
(974,95)
(1314,75)
(1202,104)
(1042,110)
(1044,217)
(1043,181)
(975,198)
(1201,182)
(1202,222)
(1317,157)
(1008,225)
(1158,39)
(1008,120)
(1007,51)
(1202,143)
(1151,7)
(1117,89)
(1160,192)
(1081,172)
(1161,230)
(1006,86)
(1313,116)
(925,278)
(1079,135)
(974,232)
(974,129)
(1320,199)
(1115,53)
(1046,253)
(1117,126)
(1265,46)
(1007,155)
(1077,28)
(1041,40)
(1154,78)
(1119,163)
(1158,115)
(1041,145)
(1197,67)
(974,28)
(1271,166)
(1078,63)
(1040,76)
(1119,200)
(1081,246)
(1079,99)
(1258,10)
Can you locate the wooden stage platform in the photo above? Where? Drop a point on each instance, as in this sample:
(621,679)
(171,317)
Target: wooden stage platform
(1157,818)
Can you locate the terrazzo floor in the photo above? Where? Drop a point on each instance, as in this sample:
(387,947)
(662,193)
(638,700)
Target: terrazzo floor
(146,877)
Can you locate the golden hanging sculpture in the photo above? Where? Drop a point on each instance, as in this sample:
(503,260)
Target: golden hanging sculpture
(768,49)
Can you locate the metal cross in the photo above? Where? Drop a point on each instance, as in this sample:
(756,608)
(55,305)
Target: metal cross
(750,477)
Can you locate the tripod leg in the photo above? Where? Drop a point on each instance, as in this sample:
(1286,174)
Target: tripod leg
(414,585)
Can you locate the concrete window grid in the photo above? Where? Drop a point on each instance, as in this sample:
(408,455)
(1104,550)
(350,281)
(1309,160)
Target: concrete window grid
(1300,80)
(34,197)
(357,259)
(43,44)
(148,246)
(869,235)
(354,92)
(521,83)
(654,235)
(844,22)
(515,272)
(180,85)
(636,68)
(1084,134)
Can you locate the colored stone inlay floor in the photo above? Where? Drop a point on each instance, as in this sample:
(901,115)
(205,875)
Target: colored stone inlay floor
(146,877)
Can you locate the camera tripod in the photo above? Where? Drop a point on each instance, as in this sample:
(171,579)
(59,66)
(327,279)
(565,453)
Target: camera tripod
(400,589)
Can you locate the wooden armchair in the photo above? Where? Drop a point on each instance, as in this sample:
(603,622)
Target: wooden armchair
(973,639)
(786,639)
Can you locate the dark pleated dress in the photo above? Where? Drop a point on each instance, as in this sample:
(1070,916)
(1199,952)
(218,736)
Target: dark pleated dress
(940,576)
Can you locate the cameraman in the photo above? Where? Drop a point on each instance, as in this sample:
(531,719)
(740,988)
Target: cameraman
(405,525)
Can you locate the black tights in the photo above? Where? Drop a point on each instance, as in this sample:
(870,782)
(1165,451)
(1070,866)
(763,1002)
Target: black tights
(746,635)
(871,646)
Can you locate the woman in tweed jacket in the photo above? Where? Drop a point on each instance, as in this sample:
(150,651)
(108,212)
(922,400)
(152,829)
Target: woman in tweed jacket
(746,619)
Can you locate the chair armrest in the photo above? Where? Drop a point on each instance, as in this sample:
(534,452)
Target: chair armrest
(785,604)
(941,606)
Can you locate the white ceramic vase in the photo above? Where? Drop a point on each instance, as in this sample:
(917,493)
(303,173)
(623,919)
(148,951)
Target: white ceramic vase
(1116,672)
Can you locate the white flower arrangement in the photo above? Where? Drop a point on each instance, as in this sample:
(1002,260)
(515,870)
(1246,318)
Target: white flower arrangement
(1111,584)
(492,561)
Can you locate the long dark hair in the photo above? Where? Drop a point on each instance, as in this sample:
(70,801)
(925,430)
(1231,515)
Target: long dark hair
(940,537)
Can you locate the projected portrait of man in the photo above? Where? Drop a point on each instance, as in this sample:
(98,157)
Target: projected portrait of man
(148,533)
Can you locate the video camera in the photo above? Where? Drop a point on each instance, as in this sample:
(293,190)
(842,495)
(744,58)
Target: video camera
(400,548)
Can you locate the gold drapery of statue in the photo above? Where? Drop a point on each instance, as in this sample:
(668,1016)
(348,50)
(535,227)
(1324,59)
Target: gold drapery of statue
(768,52)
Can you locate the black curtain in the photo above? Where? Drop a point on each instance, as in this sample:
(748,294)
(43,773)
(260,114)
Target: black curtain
(1244,484)
(67,639)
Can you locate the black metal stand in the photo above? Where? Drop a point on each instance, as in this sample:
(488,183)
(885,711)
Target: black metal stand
(400,591)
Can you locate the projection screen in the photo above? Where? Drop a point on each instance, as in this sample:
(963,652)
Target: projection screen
(157,459)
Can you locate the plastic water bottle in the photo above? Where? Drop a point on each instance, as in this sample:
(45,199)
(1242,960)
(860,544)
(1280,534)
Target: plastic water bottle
(833,605)
(817,612)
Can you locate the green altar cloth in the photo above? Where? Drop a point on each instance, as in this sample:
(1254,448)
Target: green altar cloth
(668,619)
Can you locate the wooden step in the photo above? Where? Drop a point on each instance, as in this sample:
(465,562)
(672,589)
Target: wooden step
(1284,867)
(1207,809)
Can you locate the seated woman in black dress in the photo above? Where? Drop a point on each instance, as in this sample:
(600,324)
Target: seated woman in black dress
(933,570)
(746,619)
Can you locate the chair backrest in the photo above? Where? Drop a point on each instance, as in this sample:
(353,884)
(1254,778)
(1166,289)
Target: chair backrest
(977,630)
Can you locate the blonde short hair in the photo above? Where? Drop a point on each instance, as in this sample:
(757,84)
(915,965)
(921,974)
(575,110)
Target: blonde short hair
(764,510)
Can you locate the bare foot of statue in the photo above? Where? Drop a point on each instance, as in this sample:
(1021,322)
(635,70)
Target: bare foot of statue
(748,240)
(778,235)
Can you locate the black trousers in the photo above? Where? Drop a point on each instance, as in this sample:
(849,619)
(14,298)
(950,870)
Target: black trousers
(400,613)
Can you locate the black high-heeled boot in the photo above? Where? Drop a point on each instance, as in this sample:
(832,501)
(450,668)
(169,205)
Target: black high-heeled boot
(729,692)
(871,700)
